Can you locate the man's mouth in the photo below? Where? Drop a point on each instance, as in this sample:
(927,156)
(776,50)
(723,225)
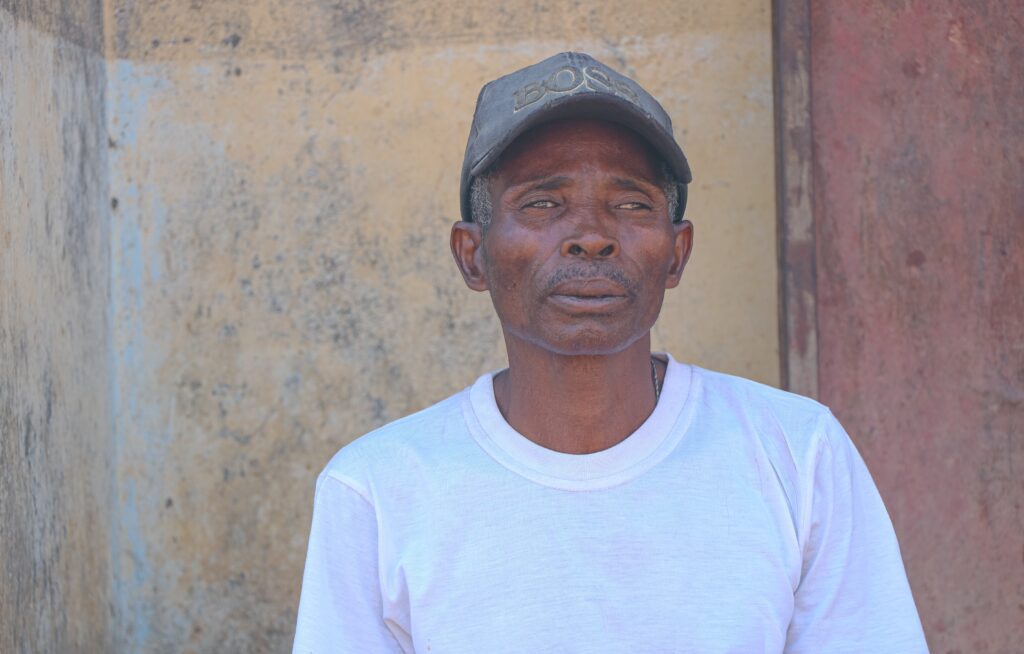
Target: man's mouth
(594,294)
(592,287)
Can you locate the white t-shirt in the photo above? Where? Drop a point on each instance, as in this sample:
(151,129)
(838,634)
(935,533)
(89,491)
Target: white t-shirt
(737,518)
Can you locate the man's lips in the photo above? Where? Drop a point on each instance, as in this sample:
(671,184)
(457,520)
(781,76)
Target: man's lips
(589,294)
(589,288)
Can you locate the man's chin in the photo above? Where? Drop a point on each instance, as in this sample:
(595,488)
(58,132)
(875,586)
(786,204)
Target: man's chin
(586,341)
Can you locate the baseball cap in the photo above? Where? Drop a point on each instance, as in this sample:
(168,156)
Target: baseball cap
(567,85)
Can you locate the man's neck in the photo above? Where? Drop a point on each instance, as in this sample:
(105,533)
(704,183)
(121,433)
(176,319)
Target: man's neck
(576,404)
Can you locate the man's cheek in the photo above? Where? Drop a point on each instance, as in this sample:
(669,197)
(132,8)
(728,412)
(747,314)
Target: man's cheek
(507,283)
(513,274)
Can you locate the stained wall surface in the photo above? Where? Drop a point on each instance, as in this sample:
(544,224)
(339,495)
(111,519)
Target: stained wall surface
(284,176)
(918,111)
(56,462)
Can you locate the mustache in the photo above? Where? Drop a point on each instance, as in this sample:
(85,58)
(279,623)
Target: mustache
(592,271)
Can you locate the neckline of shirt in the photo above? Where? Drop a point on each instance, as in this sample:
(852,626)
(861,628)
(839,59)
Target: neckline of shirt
(626,460)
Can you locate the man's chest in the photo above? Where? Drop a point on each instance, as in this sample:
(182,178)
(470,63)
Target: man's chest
(530,569)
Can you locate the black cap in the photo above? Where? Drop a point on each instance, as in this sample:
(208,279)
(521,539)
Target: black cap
(567,85)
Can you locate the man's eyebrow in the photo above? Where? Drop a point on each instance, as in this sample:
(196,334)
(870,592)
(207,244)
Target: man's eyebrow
(629,184)
(543,183)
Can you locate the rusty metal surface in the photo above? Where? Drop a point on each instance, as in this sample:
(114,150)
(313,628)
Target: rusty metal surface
(918,111)
(798,328)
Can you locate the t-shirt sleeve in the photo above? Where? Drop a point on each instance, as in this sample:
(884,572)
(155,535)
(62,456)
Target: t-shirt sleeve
(340,609)
(853,594)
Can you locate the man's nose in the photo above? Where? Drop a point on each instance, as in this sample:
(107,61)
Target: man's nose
(591,238)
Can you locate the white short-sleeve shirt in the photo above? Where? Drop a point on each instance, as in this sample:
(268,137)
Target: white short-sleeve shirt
(737,518)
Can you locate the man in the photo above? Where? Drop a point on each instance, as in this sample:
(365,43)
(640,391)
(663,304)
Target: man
(594,497)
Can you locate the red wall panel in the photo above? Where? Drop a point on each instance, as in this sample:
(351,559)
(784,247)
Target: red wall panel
(918,146)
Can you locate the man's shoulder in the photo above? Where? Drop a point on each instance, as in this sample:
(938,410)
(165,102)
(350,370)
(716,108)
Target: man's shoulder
(770,412)
(414,436)
(747,393)
(793,434)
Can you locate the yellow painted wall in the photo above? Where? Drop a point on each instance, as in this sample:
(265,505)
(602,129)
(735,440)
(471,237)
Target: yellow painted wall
(56,461)
(283,177)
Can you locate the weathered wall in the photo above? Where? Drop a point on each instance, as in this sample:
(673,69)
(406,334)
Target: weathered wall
(55,444)
(918,111)
(285,176)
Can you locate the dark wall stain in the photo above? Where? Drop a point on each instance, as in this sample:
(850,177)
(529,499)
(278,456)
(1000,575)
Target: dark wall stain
(350,30)
(75,21)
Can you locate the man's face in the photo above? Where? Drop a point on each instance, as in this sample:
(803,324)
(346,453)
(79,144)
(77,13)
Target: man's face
(581,247)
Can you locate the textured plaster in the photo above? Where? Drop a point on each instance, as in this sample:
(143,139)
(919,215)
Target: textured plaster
(56,463)
(283,178)
(919,145)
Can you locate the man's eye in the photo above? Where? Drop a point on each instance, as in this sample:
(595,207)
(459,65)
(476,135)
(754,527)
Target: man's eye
(541,204)
(633,206)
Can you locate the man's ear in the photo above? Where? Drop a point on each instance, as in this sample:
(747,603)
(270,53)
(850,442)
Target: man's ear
(682,245)
(467,248)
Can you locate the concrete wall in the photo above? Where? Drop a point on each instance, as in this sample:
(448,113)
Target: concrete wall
(55,446)
(918,111)
(285,176)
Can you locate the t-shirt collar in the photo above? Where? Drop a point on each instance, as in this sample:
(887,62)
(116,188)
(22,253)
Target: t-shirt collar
(631,457)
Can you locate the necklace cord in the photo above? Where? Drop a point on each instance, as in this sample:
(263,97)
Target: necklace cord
(654,381)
